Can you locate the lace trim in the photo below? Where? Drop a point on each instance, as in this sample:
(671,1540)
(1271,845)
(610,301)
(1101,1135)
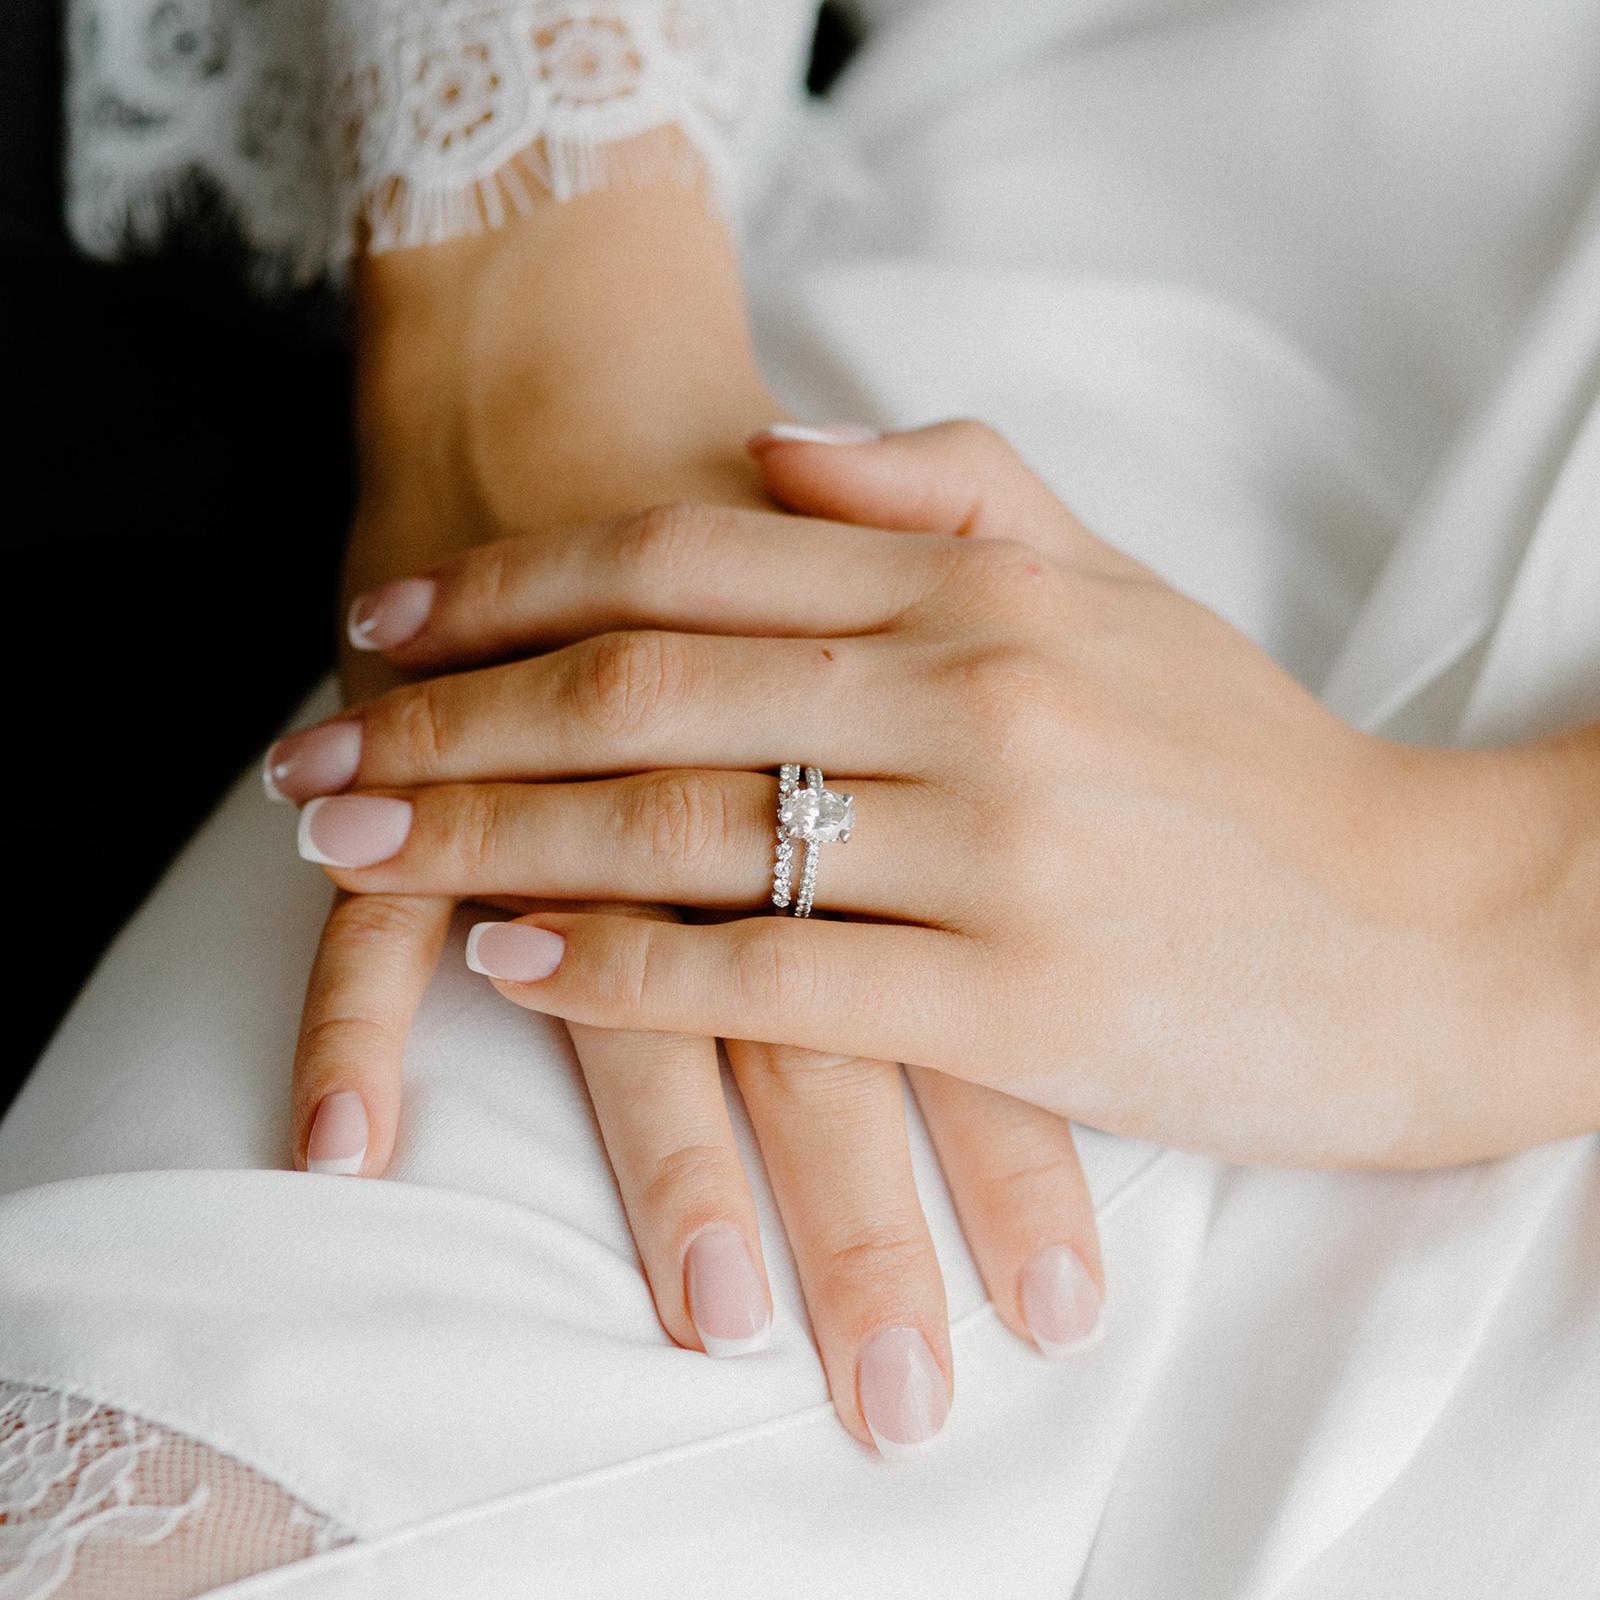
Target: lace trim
(99,1505)
(330,125)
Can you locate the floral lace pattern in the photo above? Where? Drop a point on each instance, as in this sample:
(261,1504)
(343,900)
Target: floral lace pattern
(99,1505)
(330,125)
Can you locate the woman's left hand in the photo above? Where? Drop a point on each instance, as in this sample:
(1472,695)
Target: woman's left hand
(1117,862)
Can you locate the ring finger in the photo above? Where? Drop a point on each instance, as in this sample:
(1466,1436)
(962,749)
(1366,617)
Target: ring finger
(704,839)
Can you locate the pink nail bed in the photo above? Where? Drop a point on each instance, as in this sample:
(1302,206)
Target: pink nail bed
(338,1140)
(902,1391)
(353,830)
(317,761)
(514,952)
(726,1300)
(1060,1302)
(390,616)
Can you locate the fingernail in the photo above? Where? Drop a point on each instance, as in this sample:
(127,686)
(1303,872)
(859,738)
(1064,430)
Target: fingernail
(806,433)
(726,1300)
(902,1391)
(338,1140)
(319,761)
(513,951)
(391,615)
(353,830)
(1060,1302)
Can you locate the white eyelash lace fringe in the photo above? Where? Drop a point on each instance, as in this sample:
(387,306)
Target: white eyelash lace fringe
(334,126)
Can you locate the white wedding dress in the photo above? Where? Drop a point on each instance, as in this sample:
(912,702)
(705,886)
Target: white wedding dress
(1299,302)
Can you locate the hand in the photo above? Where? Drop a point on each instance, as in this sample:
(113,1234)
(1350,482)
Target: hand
(1123,866)
(516,450)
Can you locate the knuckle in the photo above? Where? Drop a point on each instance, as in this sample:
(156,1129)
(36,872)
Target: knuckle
(373,921)
(417,728)
(663,544)
(1030,1188)
(999,578)
(685,1179)
(623,682)
(874,1256)
(618,981)
(343,1040)
(975,435)
(837,1089)
(1005,570)
(682,815)
(486,580)
(1010,699)
(773,974)
(473,815)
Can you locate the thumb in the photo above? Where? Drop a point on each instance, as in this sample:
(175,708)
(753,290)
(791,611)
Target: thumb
(958,478)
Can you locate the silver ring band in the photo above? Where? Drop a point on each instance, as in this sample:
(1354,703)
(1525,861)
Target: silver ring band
(811,814)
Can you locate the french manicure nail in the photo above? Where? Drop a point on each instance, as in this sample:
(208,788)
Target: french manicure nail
(1060,1302)
(338,1140)
(726,1301)
(902,1391)
(514,952)
(808,433)
(353,830)
(392,615)
(317,761)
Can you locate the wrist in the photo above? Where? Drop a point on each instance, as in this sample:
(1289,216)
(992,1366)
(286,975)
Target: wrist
(1496,868)
(589,356)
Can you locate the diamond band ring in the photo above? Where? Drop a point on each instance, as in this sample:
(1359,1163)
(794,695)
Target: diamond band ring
(809,813)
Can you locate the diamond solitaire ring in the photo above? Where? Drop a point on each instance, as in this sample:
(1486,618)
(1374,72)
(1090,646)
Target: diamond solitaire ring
(810,813)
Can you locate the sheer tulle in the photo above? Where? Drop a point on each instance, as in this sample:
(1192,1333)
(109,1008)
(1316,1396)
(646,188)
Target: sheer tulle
(96,1504)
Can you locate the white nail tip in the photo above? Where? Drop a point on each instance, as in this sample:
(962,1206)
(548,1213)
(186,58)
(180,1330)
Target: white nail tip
(359,633)
(893,1450)
(308,850)
(474,935)
(339,1166)
(1074,1347)
(269,779)
(800,433)
(722,1349)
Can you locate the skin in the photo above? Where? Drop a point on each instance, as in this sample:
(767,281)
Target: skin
(1183,901)
(511,385)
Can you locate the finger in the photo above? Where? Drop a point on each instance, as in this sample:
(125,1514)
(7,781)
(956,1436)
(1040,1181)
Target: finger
(883,991)
(833,1137)
(659,1101)
(372,967)
(957,478)
(1014,1174)
(622,702)
(709,569)
(684,838)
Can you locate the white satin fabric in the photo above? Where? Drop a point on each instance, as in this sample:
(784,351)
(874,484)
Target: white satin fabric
(1298,302)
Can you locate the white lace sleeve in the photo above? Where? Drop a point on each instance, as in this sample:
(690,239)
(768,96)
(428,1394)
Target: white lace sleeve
(99,1505)
(324,126)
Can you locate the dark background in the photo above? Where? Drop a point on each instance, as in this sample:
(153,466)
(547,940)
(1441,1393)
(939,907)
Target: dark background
(176,485)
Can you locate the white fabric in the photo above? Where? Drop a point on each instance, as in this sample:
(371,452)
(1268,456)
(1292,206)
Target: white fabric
(1299,302)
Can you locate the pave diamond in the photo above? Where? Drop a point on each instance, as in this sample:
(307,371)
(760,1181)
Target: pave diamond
(819,817)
